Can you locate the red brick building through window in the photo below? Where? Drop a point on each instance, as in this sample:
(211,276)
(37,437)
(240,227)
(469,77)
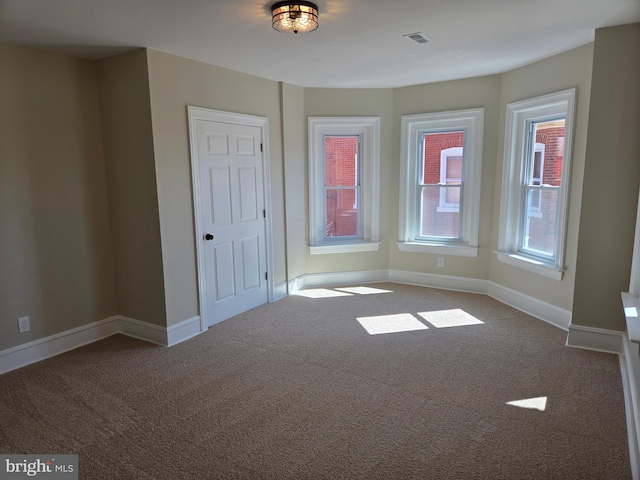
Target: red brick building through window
(341,185)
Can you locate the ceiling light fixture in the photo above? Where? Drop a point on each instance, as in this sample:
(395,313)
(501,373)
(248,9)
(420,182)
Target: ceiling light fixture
(294,17)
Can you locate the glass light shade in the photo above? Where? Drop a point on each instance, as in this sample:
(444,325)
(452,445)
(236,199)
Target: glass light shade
(294,17)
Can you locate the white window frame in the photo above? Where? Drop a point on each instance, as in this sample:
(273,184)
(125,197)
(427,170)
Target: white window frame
(519,115)
(368,129)
(413,127)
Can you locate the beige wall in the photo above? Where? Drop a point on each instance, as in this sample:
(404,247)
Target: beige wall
(611,180)
(481,92)
(561,72)
(331,102)
(295,175)
(174,84)
(133,202)
(56,263)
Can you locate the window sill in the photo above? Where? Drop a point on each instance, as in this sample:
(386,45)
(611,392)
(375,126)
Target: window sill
(534,266)
(328,248)
(454,250)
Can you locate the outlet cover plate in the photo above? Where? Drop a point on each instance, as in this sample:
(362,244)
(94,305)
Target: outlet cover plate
(23,324)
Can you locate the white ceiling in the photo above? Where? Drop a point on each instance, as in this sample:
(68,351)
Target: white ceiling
(359,43)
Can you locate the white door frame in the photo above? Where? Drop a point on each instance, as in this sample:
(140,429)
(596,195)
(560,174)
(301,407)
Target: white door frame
(198,113)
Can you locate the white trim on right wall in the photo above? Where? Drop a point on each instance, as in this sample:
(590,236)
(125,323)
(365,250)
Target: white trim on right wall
(597,339)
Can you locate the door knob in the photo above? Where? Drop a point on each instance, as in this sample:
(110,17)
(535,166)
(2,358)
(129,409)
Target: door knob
(208,236)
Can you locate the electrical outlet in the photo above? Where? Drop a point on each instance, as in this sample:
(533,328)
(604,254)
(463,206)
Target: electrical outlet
(440,262)
(23,324)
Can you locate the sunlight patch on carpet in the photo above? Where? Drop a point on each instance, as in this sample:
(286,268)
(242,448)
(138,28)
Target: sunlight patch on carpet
(321,293)
(538,403)
(364,290)
(450,318)
(400,322)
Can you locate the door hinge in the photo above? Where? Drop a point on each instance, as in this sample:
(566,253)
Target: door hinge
(261,148)
(264,214)
(266,275)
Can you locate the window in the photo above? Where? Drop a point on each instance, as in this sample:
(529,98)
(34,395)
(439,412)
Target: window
(535,183)
(343,184)
(440,182)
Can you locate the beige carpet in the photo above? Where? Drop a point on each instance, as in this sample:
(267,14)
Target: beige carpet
(299,389)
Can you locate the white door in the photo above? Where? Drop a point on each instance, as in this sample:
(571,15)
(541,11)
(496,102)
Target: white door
(232,218)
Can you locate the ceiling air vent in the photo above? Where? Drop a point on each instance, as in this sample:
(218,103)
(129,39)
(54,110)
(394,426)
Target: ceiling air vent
(418,37)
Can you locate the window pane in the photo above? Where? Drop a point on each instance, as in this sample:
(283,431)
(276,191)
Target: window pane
(540,220)
(341,170)
(545,165)
(453,172)
(341,160)
(544,175)
(452,175)
(441,164)
(342,212)
(435,167)
(436,219)
(451,195)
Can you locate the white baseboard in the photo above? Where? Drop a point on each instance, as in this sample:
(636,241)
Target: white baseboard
(295,285)
(160,335)
(630,369)
(281,290)
(598,339)
(183,331)
(341,278)
(445,282)
(142,330)
(552,314)
(32,352)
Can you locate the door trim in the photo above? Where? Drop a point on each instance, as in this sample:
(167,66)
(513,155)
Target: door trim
(198,113)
